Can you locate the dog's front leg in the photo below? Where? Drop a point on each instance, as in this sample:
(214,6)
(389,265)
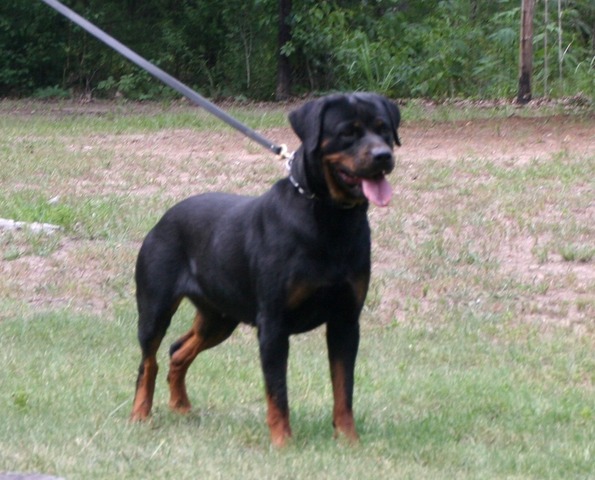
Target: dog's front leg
(274,351)
(343,341)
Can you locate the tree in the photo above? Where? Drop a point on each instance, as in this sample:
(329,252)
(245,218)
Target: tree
(283,90)
(526,51)
(263,49)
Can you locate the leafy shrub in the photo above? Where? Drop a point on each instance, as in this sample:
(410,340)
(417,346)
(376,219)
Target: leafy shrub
(415,48)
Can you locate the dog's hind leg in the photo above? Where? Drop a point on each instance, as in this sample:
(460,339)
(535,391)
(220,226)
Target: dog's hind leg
(209,330)
(154,319)
(145,382)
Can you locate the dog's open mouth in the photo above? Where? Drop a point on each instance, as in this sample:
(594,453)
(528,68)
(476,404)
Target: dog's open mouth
(375,188)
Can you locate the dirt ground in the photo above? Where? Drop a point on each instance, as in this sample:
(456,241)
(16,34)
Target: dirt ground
(512,141)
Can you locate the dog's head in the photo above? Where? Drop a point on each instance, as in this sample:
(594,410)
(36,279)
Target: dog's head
(347,147)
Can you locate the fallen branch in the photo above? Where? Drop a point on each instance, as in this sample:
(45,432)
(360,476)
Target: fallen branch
(35,227)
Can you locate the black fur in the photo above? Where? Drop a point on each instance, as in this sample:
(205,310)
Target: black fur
(286,261)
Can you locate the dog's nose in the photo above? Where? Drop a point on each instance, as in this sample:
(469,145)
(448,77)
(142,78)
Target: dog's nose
(382,154)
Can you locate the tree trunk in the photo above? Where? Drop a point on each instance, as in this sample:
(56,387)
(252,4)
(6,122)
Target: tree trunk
(545,45)
(560,54)
(283,90)
(526,51)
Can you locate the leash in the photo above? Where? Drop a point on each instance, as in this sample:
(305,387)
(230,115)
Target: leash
(170,81)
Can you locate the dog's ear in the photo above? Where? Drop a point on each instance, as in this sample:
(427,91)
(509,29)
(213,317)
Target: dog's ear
(306,122)
(390,108)
(395,118)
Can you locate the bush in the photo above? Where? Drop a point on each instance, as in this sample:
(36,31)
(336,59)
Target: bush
(462,48)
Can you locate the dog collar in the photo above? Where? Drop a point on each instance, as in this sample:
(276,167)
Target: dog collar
(300,189)
(309,195)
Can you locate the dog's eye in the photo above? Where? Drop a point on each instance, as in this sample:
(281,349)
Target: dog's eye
(350,132)
(382,128)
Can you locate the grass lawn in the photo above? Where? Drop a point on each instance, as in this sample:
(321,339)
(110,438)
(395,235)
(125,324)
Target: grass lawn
(477,357)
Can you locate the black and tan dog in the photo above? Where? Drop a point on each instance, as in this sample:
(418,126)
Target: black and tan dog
(286,262)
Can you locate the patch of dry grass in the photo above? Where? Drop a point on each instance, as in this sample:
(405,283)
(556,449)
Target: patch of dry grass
(477,336)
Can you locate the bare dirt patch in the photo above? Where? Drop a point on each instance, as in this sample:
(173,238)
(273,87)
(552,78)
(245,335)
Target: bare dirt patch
(84,275)
(174,163)
(562,292)
(514,139)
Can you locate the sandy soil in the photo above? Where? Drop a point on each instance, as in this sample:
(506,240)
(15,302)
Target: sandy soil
(512,141)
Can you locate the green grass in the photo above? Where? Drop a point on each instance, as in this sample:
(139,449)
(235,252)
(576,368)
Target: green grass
(449,403)
(577,253)
(125,118)
(80,216)
(476,359)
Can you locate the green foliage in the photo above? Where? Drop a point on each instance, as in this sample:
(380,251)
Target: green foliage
(32,46)
(55,92)
(447,49)
(416,48)
(135,86)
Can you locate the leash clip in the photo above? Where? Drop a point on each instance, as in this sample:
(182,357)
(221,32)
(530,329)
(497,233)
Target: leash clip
(286,155)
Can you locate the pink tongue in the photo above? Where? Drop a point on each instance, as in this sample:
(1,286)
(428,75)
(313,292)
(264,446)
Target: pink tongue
(378,191)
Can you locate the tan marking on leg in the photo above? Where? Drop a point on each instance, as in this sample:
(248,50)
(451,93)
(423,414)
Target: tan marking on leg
(179,363)
(145,383)
(143,399)
(342,412)
(278,423)
(199,338)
